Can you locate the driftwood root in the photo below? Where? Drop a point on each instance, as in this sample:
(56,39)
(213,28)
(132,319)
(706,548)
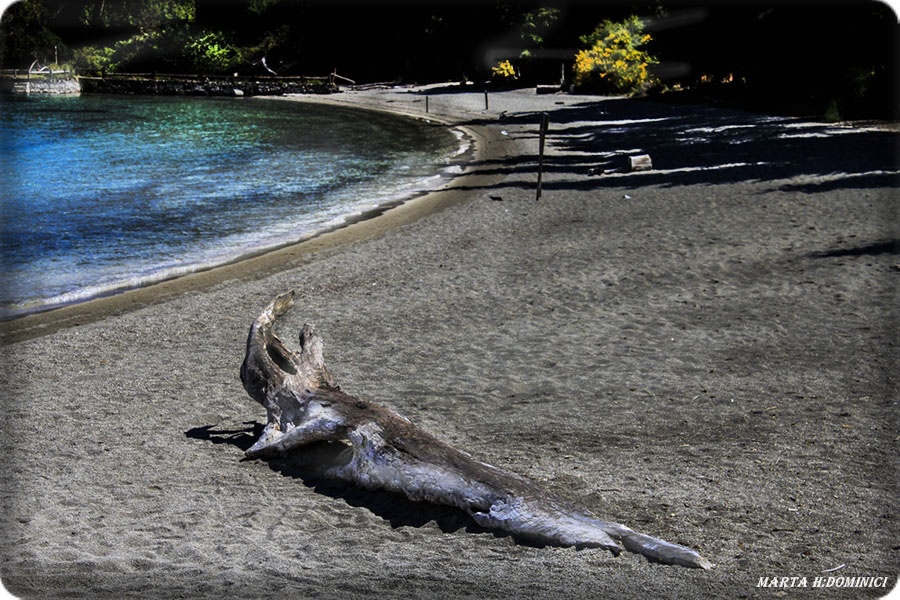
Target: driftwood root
(386,450)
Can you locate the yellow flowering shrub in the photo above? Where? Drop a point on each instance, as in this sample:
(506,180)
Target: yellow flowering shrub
(613,61)
(504,70)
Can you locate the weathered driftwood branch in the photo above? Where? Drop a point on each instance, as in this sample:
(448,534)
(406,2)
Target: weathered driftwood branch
(386,450)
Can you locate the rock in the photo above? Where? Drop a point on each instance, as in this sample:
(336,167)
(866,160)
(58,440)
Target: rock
(639,162)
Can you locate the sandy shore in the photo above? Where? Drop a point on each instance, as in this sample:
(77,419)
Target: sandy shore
(706,352)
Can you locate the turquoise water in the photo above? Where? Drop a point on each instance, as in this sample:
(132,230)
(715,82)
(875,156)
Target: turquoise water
(101,194)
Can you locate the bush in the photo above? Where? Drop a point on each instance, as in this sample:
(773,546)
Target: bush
(94,58)
(504,71)
(210,52)
(613,61)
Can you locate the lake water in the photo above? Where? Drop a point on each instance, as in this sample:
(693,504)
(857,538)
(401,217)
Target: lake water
(100,194)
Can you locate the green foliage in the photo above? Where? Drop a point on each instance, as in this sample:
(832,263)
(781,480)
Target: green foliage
(167,34)
(832,112)
(211,53)
(536,23)
(258,7)
(95,58)
(156,31)
(613,61)
(847,53)
(141,14)
(25,37)
(153,46)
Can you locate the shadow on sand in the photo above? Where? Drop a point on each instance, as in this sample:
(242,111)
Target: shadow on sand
(874,249)
(308,464)
(691,145)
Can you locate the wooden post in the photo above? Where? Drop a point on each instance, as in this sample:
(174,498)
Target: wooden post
(426,105)
(485,100)
(545,124)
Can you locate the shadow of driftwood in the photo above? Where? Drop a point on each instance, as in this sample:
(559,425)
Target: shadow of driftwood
(242,438)
(874,249)
(309,463)
(700,145)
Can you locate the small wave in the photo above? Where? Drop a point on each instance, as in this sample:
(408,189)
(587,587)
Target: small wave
(465,144)
(274,225)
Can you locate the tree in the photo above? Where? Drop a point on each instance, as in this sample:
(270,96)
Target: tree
(151,33)
(535,25)
(211,53)
(26,37)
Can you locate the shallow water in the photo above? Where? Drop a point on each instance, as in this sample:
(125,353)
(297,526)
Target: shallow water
(105,193)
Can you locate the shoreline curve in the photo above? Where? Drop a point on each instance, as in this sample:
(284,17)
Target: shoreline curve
(366,225)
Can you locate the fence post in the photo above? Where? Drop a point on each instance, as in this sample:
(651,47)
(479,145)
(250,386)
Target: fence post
(545,124)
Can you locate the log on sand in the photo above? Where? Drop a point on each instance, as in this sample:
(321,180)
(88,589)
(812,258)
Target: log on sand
(386,450)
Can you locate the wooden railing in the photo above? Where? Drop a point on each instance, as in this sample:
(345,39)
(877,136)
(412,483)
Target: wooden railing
(195,76)
(43,74)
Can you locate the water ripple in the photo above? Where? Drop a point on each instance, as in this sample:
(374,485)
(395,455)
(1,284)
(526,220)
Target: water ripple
(104,193)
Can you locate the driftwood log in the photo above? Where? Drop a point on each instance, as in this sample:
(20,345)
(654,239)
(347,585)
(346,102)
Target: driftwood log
(386,450)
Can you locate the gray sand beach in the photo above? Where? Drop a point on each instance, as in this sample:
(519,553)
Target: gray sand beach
(706,351)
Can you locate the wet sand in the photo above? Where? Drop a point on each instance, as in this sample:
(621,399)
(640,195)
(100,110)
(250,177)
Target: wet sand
(706,352)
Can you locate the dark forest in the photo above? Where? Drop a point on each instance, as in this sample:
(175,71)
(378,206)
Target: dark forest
(778,53)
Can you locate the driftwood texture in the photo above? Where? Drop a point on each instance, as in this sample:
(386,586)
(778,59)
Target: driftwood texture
(386,450)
